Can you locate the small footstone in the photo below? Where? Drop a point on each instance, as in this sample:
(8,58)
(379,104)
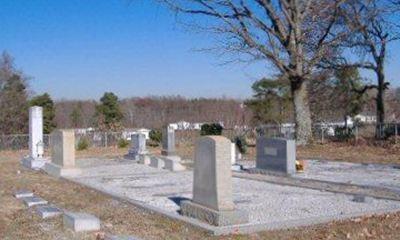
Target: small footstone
(23,194)
(34,201)
(236,167)
(157,162)
(48,211)
(115,237)
(80,222)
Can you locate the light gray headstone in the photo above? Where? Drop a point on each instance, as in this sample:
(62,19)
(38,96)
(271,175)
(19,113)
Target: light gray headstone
(63,147)
(62,154)
(212,185)
(33,201)
(45,211)
(23,194)
(116,237)
(80,222)
(138,146)
(212,173)
(276,154)
(168,141)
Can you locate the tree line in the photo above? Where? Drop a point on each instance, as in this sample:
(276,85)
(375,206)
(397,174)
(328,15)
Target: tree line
(331,99)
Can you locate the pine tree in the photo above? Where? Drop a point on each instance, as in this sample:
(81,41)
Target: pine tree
(49,111)
(109,114)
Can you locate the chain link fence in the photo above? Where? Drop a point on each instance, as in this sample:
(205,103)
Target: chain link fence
(337,132)
(323,133)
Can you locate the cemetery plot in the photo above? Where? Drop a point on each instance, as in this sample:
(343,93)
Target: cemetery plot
(268,205)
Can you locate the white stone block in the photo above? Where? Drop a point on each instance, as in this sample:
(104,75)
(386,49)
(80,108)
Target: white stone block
(35,159)
(46,211)
(114,237)
(36,132)
(157,162)
(233,153)
(34,201)
(23,194)
(236,167)
(33,163)
(58,171)
(144,159)
(80,222)
(172,163)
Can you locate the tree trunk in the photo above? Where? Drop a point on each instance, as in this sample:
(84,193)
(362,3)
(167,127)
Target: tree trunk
(302,112)
(380,101)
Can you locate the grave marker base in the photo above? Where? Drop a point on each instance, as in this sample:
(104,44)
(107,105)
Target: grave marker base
(33,163)
(58,171)
(213,217)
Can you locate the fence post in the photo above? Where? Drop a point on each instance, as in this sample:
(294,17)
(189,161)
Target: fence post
(105,139)
(322,135)
(356,135)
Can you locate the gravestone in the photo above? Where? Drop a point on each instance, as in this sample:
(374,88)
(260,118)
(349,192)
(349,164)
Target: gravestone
(35,159)
(138,146)
(33,201)
(62,154)
(276,154)
(233,153)
(80,222)
(46,211)
(168,142)
(156,162)
(22,194)
(171,161)
(212,184)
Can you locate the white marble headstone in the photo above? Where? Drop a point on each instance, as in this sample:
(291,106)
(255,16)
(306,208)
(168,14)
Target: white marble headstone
(36,132)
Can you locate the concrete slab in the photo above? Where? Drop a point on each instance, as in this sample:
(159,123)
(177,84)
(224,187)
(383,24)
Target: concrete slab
(116,237)
(156,162)
(236,167)
(46,211)
(34,201)
(173,163)
(374,175)
(80,222)
(270,206)
(34,163)
(23,194)
(59,171)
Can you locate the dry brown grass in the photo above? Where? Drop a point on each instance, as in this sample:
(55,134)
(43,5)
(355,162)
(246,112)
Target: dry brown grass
(16,222)
(389,154)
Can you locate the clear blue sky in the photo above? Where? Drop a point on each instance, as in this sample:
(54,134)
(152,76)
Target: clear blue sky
(82,48)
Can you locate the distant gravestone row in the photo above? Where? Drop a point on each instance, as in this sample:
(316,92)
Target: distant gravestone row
(168,159)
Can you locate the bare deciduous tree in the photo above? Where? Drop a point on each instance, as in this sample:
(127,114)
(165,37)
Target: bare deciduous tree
(373,27)
(290,35)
